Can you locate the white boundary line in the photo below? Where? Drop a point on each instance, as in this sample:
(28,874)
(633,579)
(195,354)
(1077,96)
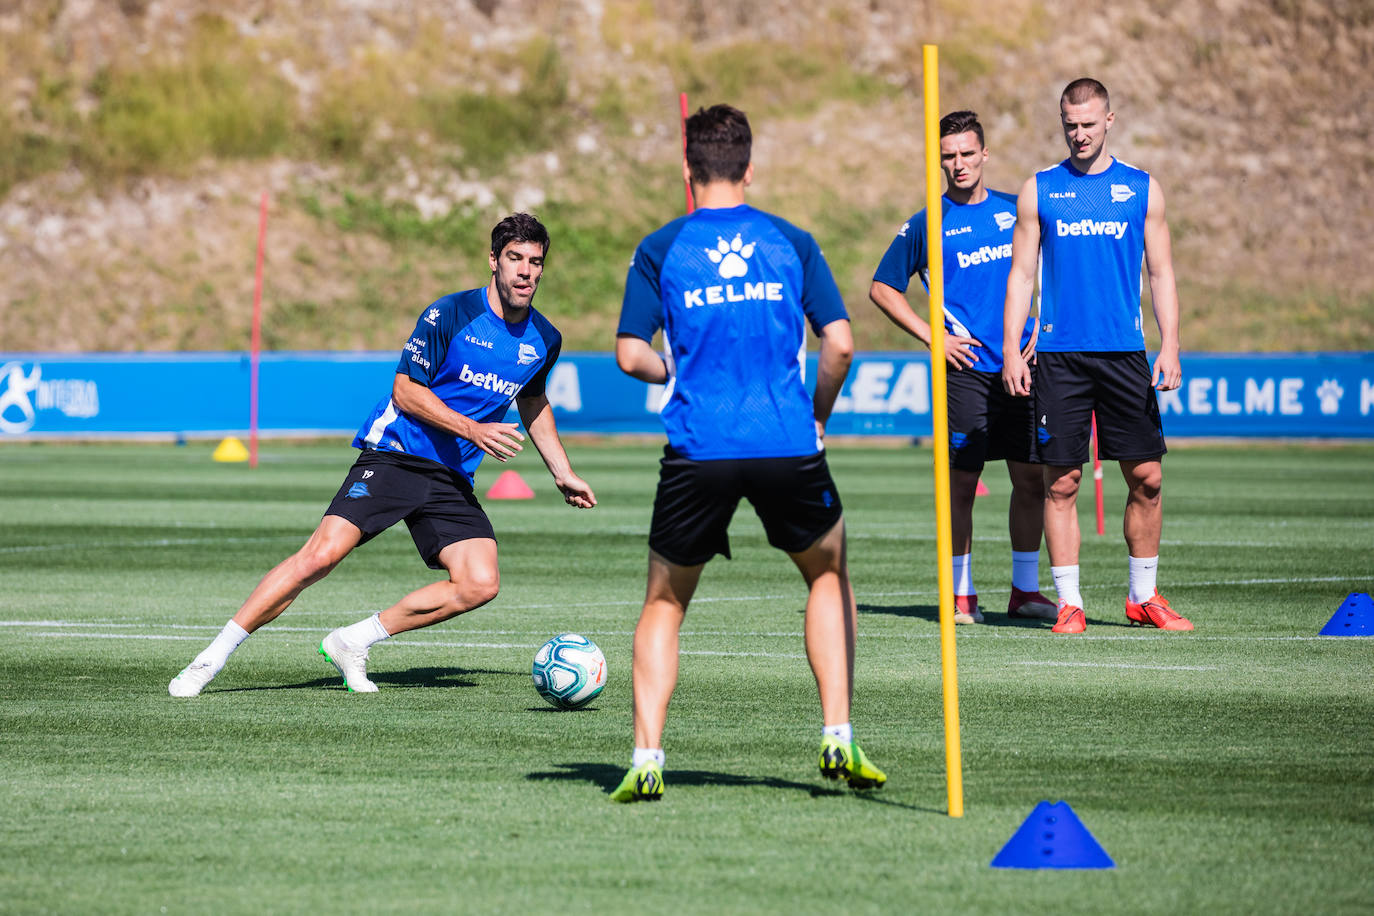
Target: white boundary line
(1048,664)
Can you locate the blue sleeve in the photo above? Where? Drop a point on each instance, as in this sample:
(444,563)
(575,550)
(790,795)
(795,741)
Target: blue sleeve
(428,345)
(641,311)
(821,299)
(906,256)
(553,346)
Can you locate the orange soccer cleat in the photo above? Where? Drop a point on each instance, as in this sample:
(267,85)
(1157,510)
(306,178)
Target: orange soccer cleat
(1155,612)
(1071,620)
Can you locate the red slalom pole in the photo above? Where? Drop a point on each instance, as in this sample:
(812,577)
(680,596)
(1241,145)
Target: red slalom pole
(686,185)
(1097,479)
(256,348)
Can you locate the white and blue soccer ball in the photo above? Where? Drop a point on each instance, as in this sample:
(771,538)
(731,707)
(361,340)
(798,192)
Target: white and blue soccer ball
(569,671)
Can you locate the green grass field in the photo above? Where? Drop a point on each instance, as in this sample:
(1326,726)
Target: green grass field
(1230,770)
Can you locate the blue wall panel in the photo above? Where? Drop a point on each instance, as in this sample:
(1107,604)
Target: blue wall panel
(1323,395)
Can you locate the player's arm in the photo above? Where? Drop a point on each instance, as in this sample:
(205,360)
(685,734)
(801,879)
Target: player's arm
(837,352)
(1159,266)
(637,357)
(415,400)
(537,416)
(893,303)
(1025,253)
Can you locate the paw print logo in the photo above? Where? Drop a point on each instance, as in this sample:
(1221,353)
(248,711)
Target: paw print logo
(731,258)
(1329,393)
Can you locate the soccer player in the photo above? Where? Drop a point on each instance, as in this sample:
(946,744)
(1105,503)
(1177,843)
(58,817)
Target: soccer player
(1087,221)
(472,353)
(732,289)
(985,423)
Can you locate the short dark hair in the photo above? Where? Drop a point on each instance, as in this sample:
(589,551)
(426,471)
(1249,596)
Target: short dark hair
(518,227)
(719,143)
(1085,89)
(959,122)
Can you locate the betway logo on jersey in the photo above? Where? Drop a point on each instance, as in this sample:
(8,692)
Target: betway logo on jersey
(716,295)
(1115,228)
(488,380)
(984,255)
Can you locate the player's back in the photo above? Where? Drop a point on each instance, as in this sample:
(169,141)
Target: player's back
(733,289)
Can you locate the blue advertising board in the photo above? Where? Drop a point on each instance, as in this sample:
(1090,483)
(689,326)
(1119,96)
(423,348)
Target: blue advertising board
(131,395)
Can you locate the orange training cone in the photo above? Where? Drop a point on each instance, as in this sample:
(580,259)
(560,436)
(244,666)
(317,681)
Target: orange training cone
(982,488)
(509,485)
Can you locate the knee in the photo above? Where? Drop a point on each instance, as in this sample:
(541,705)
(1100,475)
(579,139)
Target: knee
(1146,487)
(478,587)
(315,560)
(1063,488)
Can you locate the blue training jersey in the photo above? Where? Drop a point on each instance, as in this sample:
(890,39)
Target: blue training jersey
(732,288)
(977,259)
(1092,242)
(476,363)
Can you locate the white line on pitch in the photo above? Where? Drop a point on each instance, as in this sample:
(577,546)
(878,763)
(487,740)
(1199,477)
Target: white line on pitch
(1045,664)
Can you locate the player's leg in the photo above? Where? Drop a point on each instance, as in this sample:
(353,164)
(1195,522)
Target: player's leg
(963,489)
(1064,391)
(831,632)
(1130,432)
(968,400)
(1026,525)
(668,592)
(1011,438)
(451,533)
(330,543)
(830,625)
(692,510)
(796,500)
(1142,525)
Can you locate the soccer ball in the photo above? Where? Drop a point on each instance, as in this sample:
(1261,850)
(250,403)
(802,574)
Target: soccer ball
(569,671)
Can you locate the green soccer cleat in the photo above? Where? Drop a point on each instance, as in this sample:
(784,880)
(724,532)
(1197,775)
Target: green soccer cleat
(643,783)
(846,760)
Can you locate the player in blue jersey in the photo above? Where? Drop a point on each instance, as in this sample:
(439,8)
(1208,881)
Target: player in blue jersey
(985,423)
(733,289)
(1087,223)
(470,356)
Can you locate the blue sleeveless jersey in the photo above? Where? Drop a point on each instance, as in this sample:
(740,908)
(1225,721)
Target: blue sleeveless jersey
(476,363)
(1092,242)
(977,259)
(732,290)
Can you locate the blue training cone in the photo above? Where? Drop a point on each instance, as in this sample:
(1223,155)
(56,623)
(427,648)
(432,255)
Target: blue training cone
(1355,617)
(1052,837)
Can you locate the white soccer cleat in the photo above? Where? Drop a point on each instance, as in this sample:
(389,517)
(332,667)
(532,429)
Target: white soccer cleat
(192,679)
(351,663)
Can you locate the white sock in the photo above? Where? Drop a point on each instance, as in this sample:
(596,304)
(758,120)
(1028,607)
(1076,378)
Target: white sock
(844,732)
(1025,570)
(963,574)
(1143,579)
(229,639)
(643,755)
(1066,584)
(364,633)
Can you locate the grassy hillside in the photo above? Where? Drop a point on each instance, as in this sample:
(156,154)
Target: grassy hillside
(137,137)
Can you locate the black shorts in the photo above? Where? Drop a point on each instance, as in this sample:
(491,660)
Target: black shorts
(986,423)
(436,502)
(795,498)
(1069,387)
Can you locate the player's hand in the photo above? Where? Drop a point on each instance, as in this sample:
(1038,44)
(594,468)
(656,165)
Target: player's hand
(1016,375)
(499,440)
(1168,373)
(575,491)
(959,351)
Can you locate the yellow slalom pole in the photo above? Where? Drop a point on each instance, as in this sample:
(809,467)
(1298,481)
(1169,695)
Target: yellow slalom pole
(944,548)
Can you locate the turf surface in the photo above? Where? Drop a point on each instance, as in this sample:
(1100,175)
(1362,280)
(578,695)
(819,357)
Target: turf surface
(1227,770)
